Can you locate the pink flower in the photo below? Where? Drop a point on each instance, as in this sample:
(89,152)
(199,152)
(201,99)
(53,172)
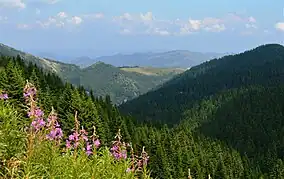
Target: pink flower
(76,136)
(84,137)
(116,155)
(41,122)
(71,137)
(38,124)
(4,96)
(124,154)
(88,152)
(55,134)
(88,146)
(83,132)
(59,132)
(38,112)
(114,148)
(89,149)
(97,143)
(68,144)
(57,124)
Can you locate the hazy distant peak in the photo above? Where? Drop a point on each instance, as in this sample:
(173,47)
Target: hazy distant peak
(167,59)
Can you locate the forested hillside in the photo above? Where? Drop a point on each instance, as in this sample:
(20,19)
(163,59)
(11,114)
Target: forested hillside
(232,130)
(103,79)
(263,65)
(235,100)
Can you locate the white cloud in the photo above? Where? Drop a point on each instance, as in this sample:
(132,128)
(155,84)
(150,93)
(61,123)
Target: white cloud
(194,24)
(147,17)
(208,24)
(43,1)
(50,21)
(158,31)
(60,24)
(251,19)
(161,32)
(52,1)
(215,28)
(279,26)
(12,4)
(125,31)
(23,26)
(126,16)
(149,24)
(234,18)
(250,26)
(62,15)
(142,23)
(61,19)
(76,20)
(93,16)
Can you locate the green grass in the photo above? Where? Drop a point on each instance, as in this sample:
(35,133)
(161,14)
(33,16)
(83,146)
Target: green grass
(154,71)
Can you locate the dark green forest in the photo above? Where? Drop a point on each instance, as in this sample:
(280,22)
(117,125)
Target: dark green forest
(223,117)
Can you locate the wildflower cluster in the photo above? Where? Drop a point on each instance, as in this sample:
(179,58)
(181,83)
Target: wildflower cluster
(138,163)
(55,132)
(118,149)
(38,123)
(96,142)
(79,139)
(34,112)
(3,95)
(142,160)
(119,152)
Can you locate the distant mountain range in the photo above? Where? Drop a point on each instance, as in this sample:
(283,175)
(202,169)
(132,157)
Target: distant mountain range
(170,59)
(122,84)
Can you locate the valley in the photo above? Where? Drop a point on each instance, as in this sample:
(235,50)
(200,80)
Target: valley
(121,84)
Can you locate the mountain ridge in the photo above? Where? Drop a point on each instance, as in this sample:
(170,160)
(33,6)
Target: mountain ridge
(103,79)
(172,58)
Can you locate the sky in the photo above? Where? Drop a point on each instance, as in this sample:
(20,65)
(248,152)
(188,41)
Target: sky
(105,27)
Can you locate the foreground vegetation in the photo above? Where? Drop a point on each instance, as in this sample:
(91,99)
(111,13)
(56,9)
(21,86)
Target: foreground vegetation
(38,151)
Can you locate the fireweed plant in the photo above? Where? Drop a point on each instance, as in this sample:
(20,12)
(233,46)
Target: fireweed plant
(48,154)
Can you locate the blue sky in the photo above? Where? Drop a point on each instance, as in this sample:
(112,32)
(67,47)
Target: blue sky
(105,27)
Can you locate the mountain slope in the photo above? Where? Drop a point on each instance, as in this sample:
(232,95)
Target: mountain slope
(263,65)
(249,120)
(121,85)
(104,79)
(236,100)
(153,71)
(40,62)
(175,58)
